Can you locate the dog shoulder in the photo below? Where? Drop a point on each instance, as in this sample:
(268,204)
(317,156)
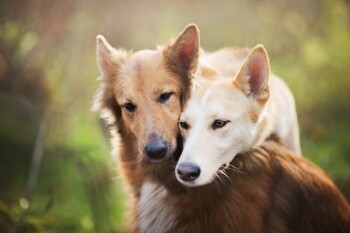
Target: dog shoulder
(303,196)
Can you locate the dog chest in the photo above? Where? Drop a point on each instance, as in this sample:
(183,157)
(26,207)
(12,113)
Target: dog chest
(156,212)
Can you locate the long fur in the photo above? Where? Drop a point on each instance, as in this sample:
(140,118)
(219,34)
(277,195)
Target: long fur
(140,78)
(266,190)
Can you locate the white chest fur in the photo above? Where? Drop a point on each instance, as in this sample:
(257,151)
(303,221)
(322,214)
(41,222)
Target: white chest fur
(156,212)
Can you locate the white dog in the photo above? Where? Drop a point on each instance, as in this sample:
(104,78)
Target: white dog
(226,116)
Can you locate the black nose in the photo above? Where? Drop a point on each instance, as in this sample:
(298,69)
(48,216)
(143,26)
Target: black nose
(188,171)
(156,150)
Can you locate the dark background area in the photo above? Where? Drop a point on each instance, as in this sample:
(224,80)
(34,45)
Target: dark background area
(56,172)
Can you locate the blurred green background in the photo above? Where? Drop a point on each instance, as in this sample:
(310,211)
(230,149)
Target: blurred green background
(56,172)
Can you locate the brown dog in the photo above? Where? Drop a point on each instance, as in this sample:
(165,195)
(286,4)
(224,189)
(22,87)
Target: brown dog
(272,190)
(141,96)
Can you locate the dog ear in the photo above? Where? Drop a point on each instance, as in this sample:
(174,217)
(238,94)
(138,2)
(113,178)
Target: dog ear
(108,60)
(183,54)
(253,76)
(106,56)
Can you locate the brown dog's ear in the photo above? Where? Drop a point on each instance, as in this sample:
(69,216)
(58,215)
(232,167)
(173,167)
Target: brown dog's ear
(106,56)
(182,55)
(109,60)
(253,76)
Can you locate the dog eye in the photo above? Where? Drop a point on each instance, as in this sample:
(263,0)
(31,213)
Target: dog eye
(184,125)
(164,96)
(130,107)
(219,124)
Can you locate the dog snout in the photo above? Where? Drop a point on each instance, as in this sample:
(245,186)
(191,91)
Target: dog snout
(188,172)
(156,149)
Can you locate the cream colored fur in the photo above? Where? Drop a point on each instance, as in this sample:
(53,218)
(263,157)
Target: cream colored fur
(252,103)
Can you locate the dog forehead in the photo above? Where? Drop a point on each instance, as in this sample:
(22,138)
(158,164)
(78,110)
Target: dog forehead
(141,62)
(212,96)
(144,72)
(220,99)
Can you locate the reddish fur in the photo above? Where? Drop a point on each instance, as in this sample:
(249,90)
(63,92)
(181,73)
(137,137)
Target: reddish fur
(140,78)
(274,191)
(187,55)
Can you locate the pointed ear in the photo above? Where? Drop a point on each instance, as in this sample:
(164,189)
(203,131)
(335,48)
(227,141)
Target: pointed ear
(253,76)
(109,60)
(182,55)
(108,57)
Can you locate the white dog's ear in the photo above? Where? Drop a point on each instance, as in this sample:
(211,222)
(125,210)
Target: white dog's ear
(183,54)
(108,57)
(253,76)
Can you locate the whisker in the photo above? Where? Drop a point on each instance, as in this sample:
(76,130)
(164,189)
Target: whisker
(217,175)
(235,169)
(222,172)
(245,154)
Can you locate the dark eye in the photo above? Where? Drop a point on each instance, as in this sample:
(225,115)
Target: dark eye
(164,97)
(130,107)
(219,124)
(184,125)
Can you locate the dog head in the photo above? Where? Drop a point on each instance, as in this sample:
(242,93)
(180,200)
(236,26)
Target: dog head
(223,118)
(142,93)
